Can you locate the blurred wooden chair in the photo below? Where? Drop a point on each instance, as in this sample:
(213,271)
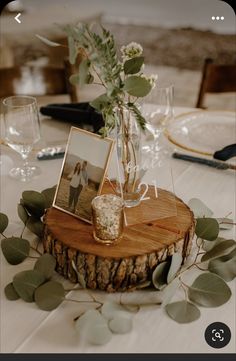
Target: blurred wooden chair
(216,79)
(37,81)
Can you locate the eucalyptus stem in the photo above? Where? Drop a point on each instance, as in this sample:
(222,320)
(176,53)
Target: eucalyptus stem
(3,235)
(23,230)
(36,250)
(184,287)
(77,301)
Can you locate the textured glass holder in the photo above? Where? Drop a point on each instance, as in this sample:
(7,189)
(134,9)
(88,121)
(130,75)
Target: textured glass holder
(108,218)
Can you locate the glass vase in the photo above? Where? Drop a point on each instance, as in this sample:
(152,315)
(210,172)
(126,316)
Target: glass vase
(128,140)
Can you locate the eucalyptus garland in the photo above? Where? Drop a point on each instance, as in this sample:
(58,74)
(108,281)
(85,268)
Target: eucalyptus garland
(215,258)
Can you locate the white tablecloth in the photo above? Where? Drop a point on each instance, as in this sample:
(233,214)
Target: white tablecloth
(25,328)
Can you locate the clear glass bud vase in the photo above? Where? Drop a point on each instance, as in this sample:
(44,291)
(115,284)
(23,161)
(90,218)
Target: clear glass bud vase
(128,135)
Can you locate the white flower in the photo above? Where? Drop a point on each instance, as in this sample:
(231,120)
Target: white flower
(131,50)
(151,79)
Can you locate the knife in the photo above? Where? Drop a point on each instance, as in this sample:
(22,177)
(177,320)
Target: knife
(204,161)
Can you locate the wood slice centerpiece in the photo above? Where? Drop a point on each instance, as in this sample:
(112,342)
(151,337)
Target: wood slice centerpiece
(129,262)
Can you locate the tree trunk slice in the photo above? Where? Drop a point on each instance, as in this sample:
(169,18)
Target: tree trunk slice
(129,262)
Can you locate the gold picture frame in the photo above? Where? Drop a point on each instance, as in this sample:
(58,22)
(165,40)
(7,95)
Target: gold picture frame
(83,172)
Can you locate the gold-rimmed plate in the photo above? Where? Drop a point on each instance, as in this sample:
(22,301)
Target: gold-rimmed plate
(203,132)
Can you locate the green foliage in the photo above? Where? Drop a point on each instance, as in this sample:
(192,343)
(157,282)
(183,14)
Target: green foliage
(10,292)
(22,213)
(100,102)
(169,291)
(35,226)
(137,86)
(47,42)
(49,194)
(159,275)
(46,265)
(49,295)
(121,323)
(208,245)
(176,261)
(182,311)
(93,327)
(26,282)
(224,266)
(207,228)
(15,249)
(199,208)
(96,326)
(219,250)
(72,50)
(136,112)
(225,223)
(100,62)
(34,203)
(3,222)
(133,66)
(209,290)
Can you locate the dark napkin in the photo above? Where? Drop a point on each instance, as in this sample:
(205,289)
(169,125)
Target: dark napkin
(226,153)
(80,114)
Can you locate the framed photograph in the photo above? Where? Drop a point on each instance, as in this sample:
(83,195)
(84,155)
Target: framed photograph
(83,172)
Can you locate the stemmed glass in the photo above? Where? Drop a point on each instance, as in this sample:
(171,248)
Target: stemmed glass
(22,131)
(157,109)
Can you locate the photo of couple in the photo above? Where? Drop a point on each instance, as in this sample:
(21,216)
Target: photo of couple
(78,179)
(83,172)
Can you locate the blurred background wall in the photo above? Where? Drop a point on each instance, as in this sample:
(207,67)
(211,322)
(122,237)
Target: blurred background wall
(177,35)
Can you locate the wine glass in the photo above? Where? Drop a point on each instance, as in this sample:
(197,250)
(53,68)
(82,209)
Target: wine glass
(22,131)
(157,109)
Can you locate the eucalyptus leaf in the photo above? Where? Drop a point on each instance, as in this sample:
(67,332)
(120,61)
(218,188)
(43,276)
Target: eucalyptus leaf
(199,208)
(22,213)
(219,250)
(49,295)
(83,71)
(209,290)
(224,266)
(133,66)
(3,222)
(35,226)
(159,275)
(72,50)
(99,102)
(207,228)
(11,293)
(182,311)
(34,202)
(137,86)
(49,194)
(26,282)
(47,41)
(89,79)
(121,323)
(169,291)
(225,223)
(175,265)
(208,245)
(15,249)
(46,265)
(93,327)
(74,79)
(109,309)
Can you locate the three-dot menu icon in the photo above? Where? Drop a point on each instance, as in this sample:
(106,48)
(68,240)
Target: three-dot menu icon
(217,18)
